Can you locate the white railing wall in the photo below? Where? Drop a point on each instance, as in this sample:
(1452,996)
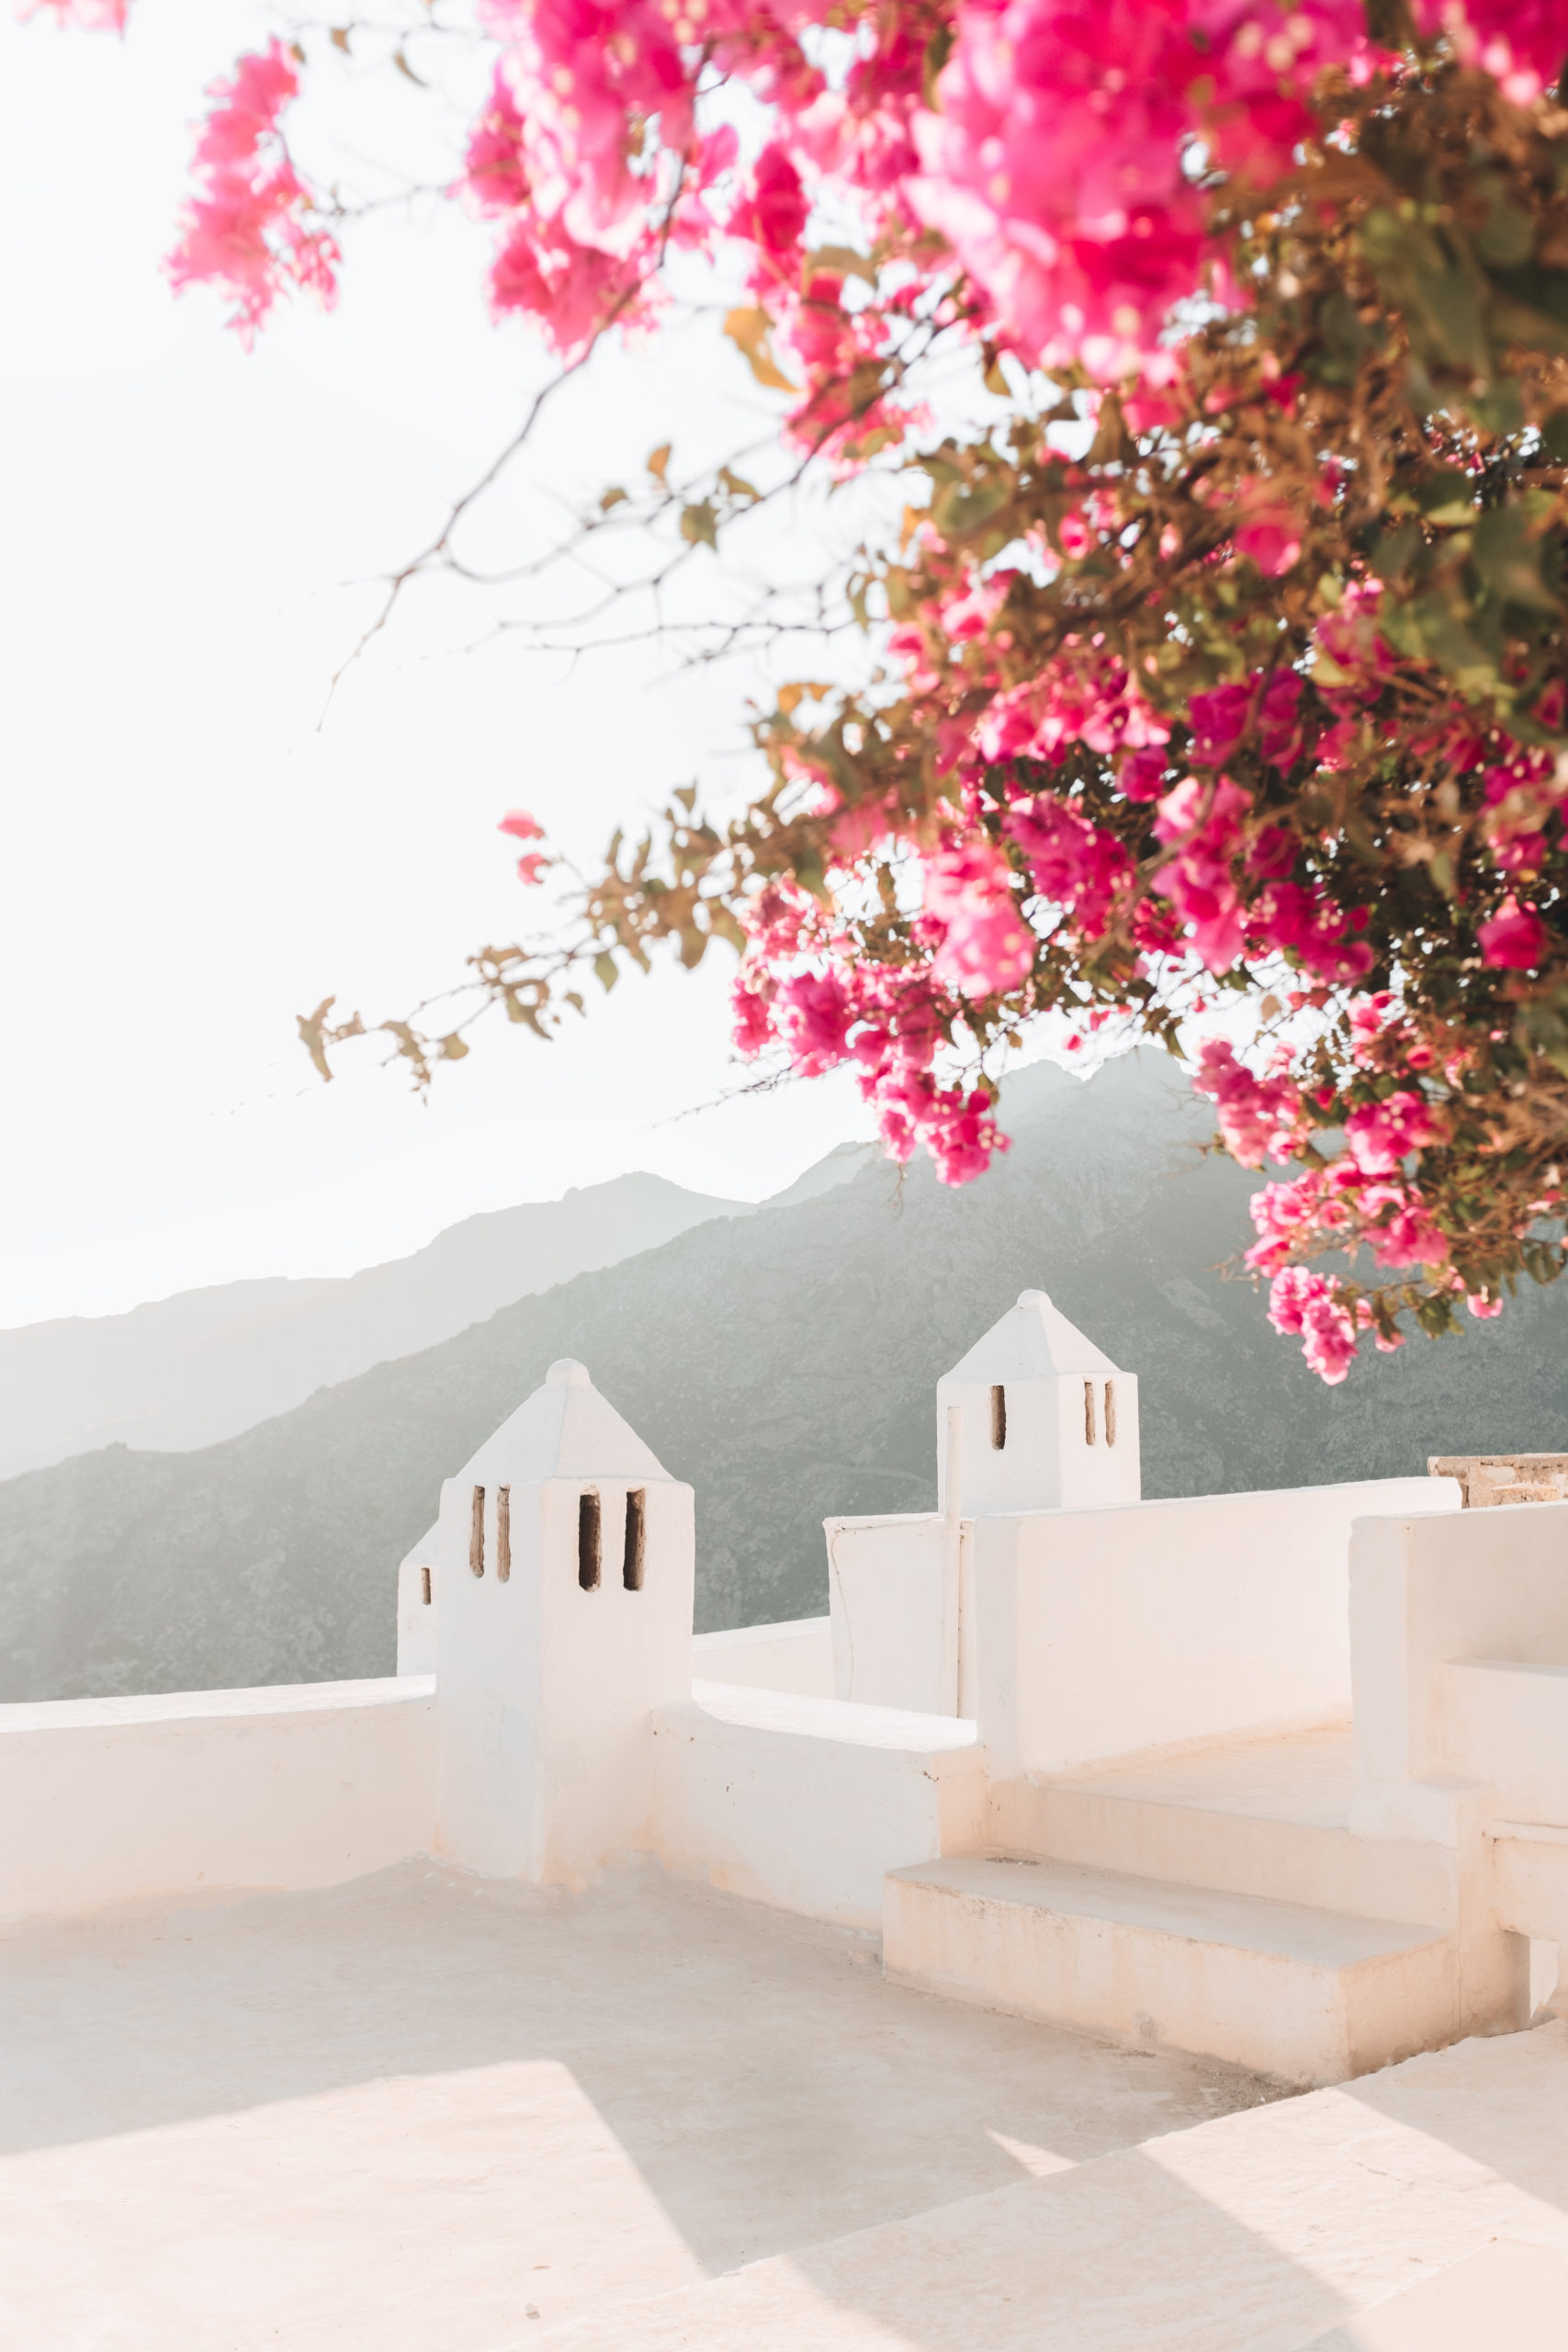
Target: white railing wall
(1117,1632)
(111,1800)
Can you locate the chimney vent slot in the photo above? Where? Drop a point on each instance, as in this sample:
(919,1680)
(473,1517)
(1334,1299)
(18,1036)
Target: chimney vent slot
(503,1535)
(587,1542)
(424,1586)
(1111,1412)
(637,1539)
(476,1532)
(1089,1412)
(998,1419)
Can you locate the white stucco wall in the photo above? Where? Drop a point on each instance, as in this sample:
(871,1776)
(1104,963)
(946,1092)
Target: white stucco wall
(1111,1633)
(1486,1586)
(1506,1724)
(107,1800)
(806,1803)
(795,1655)
(419,1618)
(900,1595)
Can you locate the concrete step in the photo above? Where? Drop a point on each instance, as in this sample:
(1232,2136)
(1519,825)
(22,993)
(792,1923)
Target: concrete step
(1313,1996)
(1530,1885)
(1268,1817)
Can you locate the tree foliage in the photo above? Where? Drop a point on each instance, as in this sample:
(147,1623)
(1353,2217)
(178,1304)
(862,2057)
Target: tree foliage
(1220,690)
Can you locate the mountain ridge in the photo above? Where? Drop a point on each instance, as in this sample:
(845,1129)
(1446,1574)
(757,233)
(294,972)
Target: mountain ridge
(178,1374)
(785,1363)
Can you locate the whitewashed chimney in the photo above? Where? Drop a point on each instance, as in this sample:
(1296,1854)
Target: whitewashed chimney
(1049,1421)
(419,1604)
(565,1619)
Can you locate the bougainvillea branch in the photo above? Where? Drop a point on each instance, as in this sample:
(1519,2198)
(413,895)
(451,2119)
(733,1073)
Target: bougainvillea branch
(1221,683)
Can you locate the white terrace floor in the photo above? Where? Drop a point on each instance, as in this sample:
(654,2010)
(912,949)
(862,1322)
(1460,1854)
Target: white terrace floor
(426,2112)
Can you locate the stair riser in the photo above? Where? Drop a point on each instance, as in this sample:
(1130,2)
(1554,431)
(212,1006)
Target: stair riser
(1191,1846)
(1290,2018)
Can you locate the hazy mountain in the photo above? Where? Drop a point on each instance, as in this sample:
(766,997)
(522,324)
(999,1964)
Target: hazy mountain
(207,1363)
(785,1363)
(844,1161)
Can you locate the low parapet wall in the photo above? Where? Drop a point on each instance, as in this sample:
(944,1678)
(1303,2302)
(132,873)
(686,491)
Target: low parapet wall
(1104,1634)
(797,1656)
(108,1800)
(806,1802)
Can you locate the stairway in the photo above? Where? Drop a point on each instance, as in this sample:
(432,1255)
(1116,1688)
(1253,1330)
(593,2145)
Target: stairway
(1216,1903)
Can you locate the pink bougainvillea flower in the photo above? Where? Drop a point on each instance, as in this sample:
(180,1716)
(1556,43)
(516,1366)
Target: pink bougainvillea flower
(1270,534)
(815,1013)
(986,947)
(1380,1134)
(1301,1302)
(522,825)
(1519,42)
(1515,939)
(1259,1117)
(1251,716)
(1398,1229)
(753,1021)
(1071,862)
(771,212)
(495,178)
(1202,822)
(249,228)
(79,15)
(534,865)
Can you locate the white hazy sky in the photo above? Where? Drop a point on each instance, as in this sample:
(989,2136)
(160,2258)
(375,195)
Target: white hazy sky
(190,857)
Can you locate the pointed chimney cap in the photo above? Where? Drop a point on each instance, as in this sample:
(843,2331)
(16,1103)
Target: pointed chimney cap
(565,1429)
(1034,1340)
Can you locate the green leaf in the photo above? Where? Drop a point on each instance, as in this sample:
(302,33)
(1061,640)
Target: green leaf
(1542,1263)
(749,329)
(1345,338)
(957,512)
(1112,444)
(1440,302)
(1391,553)
(841,261)
(1437,1317)
(1448,497)
(606,971)
(1545,1032)
(1508,238)
(700,523)
(454,1048)
(1509,561)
